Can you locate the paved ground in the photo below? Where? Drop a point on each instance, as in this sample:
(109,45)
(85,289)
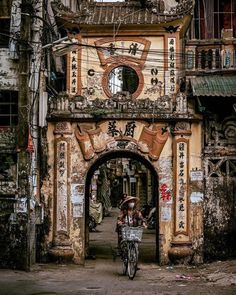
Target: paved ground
(103,276)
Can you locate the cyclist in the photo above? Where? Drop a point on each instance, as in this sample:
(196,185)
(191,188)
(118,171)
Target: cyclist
(129,215)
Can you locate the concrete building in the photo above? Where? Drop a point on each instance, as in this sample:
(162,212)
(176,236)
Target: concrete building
(211,76)
(111,98)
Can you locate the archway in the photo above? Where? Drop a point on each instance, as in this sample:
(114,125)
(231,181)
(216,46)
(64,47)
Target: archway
(124,154)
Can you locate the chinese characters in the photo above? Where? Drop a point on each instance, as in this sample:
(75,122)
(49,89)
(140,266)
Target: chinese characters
(171,64)
(114,131)
(73,72)
(181,186)
(61,188)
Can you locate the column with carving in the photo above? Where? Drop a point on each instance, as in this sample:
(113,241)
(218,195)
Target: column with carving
(180,251)
(62,247)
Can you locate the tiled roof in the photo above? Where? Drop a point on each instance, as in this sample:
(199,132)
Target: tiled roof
(131,12)
(224,86)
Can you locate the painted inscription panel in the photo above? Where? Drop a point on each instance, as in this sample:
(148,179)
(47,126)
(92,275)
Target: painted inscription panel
(171,74)
(181,186)
(73,72)
(61,184)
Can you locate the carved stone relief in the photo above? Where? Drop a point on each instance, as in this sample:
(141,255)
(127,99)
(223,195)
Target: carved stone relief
(151,140)
(221,135)
(181,103)
(63,128)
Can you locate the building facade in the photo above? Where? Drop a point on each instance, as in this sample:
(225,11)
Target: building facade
(212,80)
(125,98)
(108,97)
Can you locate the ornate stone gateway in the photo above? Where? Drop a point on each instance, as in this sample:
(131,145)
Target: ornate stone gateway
(79,147)
(126,93)
(77,150)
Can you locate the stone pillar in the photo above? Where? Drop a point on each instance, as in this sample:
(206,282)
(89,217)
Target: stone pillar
(62,248)
(180,251)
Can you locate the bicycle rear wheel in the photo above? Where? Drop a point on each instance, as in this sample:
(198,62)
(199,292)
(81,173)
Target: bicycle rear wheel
(132,260)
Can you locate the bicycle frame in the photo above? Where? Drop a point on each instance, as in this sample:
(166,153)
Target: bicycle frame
(129,256)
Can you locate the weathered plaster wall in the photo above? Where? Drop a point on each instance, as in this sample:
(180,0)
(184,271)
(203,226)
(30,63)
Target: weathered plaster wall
(139,53)
(77,215)
(220,182)
(164,167)
(13,225)
(47,189)
(196,192)
(13,238)
(219,218)
(165,173)
(8,71)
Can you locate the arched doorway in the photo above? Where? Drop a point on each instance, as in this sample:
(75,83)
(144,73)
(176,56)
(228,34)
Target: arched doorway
(130,156)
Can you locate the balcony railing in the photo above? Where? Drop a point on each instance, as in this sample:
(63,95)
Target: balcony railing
(210,58)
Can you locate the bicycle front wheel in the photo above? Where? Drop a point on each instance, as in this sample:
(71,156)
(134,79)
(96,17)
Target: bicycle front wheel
(124,257)
(125,265)
(132,260)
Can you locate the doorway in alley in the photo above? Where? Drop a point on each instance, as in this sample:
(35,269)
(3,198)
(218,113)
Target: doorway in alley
(107,179)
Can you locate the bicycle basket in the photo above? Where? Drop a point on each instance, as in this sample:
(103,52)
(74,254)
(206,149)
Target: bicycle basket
(132,233)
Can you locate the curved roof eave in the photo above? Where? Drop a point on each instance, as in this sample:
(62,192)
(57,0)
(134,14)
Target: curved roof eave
(120,12)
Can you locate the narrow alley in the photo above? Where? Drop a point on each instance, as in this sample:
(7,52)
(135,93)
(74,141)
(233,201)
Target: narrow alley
(103,241)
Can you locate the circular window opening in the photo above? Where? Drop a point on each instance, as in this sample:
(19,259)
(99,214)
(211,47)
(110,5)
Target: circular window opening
(123,78)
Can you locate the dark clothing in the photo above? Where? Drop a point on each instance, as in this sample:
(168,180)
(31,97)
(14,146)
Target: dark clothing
(131,218)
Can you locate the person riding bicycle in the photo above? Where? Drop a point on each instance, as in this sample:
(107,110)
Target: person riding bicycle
(129,215)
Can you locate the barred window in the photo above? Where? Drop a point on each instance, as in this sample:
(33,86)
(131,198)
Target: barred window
(8,108)
(213,19)
(5,13)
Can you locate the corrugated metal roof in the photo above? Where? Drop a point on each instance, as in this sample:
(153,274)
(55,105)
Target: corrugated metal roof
(214,86)
(96,13)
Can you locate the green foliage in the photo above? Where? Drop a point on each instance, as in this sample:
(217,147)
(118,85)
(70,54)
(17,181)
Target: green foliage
(98,113)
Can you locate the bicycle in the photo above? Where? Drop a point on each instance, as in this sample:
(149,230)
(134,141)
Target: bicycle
(131,237)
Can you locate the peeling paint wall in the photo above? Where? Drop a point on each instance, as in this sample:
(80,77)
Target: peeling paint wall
(8,71)
(13,225)
(220,218)
(13,239)
(220,182)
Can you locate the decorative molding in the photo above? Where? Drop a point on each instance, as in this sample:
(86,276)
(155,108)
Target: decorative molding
(137,69)
(118,59)
(120,101)
(181,103)
(171,29)
(221,134)
(182,128)
(63,128)
(220,166)
(150,142)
